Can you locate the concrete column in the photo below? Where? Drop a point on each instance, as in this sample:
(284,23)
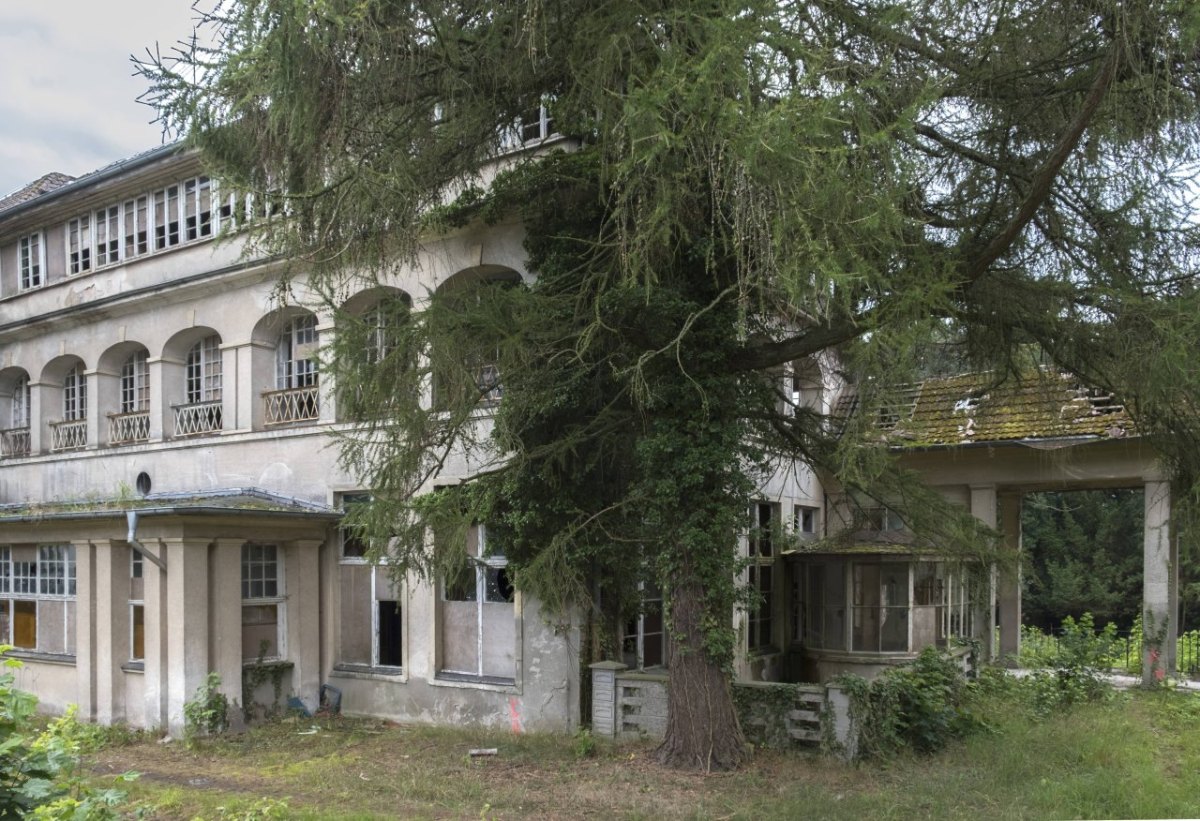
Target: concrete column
(604,697)
(326,383)
(157,659)
(225,623)
(1009,578)
(187,623)
(103,398)
(983,508)
(256,371)
(231,391)
(164,392)
(85,629)
(303,589)
(112,628)
(42,410)
(1160,582)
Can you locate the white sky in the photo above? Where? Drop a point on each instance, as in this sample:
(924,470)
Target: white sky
(68,100)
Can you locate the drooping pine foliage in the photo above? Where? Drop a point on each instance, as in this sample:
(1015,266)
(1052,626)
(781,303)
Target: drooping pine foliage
(755,183)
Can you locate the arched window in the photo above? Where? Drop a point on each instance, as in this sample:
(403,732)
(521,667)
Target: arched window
(20,404)
(296,355)
(75,395)
(204,371)
(135,384)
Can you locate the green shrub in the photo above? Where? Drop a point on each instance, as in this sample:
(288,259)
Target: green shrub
(208,712)
(920,706)
(40,774)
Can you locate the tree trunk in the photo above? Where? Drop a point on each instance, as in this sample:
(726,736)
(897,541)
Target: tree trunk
(703,732)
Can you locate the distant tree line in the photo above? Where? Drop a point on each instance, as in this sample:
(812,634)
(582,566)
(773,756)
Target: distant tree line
(1083,553)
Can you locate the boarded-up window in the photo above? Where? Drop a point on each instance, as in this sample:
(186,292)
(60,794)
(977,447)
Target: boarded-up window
(478,623)
(25,624)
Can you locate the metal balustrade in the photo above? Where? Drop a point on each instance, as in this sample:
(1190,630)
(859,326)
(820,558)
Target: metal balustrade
(126,428)
(199,417)
(292,405)
(14,442)
(68,435)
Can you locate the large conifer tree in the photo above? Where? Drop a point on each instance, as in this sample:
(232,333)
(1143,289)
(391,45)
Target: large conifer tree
(755,183)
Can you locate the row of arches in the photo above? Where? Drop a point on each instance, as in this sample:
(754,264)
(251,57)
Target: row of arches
(203,380)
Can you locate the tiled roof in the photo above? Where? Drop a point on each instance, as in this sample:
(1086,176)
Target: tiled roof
(42,185)
(973,408)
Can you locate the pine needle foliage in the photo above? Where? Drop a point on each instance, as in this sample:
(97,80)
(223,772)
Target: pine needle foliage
(750,184)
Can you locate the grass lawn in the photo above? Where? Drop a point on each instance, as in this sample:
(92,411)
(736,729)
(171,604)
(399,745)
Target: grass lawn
(1136,756)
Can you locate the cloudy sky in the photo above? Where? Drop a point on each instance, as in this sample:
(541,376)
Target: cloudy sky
(68,101)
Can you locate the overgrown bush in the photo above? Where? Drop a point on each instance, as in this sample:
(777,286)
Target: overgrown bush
(920,706)
(208,711)
(40,774)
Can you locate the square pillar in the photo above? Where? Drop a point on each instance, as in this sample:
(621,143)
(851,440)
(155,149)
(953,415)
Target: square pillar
(103,394)
(85,629)
(225,623)
(326,386)
(233,416)
(157,659)
(1160,583)
(187,623)
(303,569)
(1008,590)
(42,408)
(983,508)
(112,588)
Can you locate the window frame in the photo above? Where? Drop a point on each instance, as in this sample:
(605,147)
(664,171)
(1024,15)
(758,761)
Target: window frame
(762,556)
(31,261)
(74,395)
(480,566)
(277,599)
(135,383)
(49,580)
(288,373)
(203,371)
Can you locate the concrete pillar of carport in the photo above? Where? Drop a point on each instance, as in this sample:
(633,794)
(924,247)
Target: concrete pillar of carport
(112,634)
(157,659)
(303,587)
(85,628)
(225,603)
(1160,585)
(1008,588)
(187,623)
(983,508)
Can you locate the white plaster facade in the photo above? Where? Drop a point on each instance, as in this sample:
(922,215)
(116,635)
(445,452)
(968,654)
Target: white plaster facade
(102,380)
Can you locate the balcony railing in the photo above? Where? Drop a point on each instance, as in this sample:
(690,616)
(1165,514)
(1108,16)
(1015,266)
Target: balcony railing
(14,442)
(126,428)
(68,435)
(292,405)
(196,418)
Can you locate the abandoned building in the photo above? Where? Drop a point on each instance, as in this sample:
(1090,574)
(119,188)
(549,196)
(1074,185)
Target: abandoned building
(170,494)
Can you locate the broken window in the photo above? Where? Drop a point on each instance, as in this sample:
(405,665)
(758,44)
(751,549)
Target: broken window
(137,229)
(371,611)
(262,602)
(108,235)
(478,619)
(761,576)
(296,354)
(166,218)
(79,245)
(197,208)
(37,597)
(804,521)
(643,639)
(31,254)
(880,606)
(137,609)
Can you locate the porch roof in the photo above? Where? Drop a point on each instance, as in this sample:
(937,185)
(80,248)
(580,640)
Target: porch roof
(981,408)
(229,501)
